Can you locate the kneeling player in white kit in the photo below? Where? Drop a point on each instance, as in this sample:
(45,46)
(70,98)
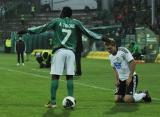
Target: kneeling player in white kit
(126,80)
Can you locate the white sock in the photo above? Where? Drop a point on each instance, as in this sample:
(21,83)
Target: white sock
(138,96)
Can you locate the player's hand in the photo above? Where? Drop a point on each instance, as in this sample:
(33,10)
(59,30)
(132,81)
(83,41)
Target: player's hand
(128,81)
(104,38)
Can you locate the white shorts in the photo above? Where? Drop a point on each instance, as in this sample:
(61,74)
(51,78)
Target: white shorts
(63,62)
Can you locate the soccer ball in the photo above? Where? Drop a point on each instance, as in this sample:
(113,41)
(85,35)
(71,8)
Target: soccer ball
(69,102)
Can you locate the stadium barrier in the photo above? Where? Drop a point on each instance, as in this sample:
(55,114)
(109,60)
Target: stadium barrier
(157,60)
(139,61)
(98,55)
(34,41)
(92,54)
(104,55)
(41,51)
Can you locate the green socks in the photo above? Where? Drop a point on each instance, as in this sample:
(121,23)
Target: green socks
(70,87)
(54,86)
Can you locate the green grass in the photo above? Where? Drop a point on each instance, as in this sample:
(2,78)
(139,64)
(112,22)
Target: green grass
(25,89)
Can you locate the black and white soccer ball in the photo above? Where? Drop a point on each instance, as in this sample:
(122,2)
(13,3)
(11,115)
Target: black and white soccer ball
(69,102)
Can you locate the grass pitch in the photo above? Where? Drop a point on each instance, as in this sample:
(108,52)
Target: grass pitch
(25,89)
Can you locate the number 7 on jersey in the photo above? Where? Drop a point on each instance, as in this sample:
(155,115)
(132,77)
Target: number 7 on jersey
(67,35)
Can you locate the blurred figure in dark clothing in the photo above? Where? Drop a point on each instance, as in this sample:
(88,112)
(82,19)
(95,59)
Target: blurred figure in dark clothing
(20,48)
(33,9)
(22,20)
(79,50)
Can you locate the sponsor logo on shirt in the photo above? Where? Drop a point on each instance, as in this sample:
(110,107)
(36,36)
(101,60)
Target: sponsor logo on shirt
(117,65)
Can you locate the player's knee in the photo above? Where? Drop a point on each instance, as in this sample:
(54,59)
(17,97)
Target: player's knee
(117,99)
(69,77)
(55,77)
(128,99)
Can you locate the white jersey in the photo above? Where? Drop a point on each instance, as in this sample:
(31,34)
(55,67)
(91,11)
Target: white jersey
(120,62)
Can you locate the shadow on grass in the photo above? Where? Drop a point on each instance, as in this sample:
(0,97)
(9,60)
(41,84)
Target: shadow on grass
(123,108)
(55,113)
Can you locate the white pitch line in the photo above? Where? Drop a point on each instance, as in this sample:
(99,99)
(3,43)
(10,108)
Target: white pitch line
(42,76)
(39,70)
(81,84)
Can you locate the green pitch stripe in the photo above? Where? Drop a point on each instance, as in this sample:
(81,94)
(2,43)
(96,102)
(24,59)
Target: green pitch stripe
(80,84)
(42,76)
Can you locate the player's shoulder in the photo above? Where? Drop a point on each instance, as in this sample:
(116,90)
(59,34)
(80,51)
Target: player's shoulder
(123,49)
(56,20)
(76,21)
(110,56)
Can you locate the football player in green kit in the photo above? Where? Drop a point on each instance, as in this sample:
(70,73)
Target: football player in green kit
(64,45)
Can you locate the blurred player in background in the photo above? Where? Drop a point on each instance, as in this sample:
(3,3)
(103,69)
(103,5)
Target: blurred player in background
(20,48)
(8,45)
(126,80)
(135,50)
(64,47)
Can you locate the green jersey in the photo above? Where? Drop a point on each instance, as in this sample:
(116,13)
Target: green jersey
(65,32)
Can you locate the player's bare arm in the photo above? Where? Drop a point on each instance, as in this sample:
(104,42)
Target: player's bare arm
(132,66)
(116,76)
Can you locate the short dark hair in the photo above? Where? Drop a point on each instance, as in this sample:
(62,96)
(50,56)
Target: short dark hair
(66,12)
(110,41)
